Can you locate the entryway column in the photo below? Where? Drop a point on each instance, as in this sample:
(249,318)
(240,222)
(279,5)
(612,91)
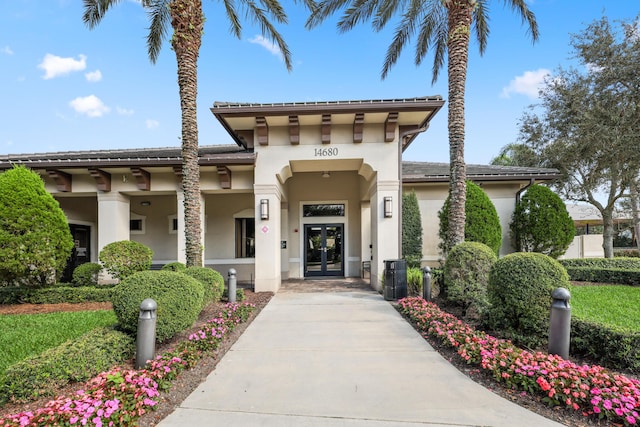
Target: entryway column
(113,218)
(268,237)
(385,220)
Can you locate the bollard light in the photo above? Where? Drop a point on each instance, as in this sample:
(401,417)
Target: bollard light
(146,340)
(426,283)
(232,285)
(560,323)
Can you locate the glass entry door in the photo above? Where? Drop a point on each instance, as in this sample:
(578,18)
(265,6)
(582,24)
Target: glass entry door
(323,250)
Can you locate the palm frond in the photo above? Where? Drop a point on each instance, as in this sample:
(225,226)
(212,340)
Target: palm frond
(323,10)
(385,11)
(94,11)
(481,24)
(403,33)
(520,6)
(267,29)
(160,18)
(234,22)
(359,12)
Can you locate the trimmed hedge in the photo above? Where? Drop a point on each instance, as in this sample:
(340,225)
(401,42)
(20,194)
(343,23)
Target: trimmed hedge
(608,346)
(466,272)
(212,281)
(174,266)
(519,291)
(86,274)
(55,294)
(624,271)
(125,257)
(179,298)
(76,360)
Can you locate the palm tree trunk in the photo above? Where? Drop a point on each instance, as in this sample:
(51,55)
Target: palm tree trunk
(460,18)
(187,20)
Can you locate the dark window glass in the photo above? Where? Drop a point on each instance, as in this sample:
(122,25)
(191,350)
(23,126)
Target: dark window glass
(245,238)
(135,225)
(323,210)
(175,224)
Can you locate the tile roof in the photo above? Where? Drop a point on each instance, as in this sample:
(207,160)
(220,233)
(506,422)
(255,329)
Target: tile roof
(222,104)
(438,172)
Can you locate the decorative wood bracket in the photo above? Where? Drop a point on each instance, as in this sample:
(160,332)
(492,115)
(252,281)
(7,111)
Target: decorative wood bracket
(103,179)
(390,127)
(263,130)
(246,136)
(177,171)
(224,174)
(294,130)
(326,128)
(143,178)
(63,180)
(358,125)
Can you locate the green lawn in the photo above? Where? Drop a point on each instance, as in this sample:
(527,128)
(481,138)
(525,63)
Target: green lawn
(613,305)
(24,335)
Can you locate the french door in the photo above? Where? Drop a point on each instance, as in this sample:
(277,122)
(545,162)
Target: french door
(323,250)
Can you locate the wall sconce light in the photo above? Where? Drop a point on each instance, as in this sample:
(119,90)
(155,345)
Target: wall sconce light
(326,174)
(264,208)
(145,203)
(388,207)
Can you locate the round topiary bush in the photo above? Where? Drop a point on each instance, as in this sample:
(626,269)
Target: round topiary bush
(125,257)
(519,291)
(212,281)
(86,274)
(179,298)
(466,272)
(482,223)
(174,266)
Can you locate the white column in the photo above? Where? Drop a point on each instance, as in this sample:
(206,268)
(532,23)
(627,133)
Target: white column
(384,230)
(268,236)
(113,220)
(182,241)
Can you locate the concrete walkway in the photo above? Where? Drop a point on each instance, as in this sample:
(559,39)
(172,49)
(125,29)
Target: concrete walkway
(339,358)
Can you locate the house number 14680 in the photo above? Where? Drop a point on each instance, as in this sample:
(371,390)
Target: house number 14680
(326,152)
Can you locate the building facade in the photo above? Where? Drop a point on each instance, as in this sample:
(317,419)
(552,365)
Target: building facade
(306,190)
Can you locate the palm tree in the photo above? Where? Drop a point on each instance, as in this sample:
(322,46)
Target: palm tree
(444,26)
(186,17)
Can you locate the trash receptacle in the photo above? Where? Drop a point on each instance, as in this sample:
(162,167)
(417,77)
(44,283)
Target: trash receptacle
(395,279)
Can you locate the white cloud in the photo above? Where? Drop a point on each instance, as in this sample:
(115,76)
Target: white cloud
(152,124)
(124,111)
(55,66)
(6,50)
(93,76)
(526,84)
(90,105)
(267,44)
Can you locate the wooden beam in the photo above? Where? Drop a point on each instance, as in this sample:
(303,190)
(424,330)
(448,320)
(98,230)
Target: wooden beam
(294,130)
(263,130)
(103,179)
(63,180)
(390,127)
(358,125)
(224,174)
(143,178)
(326,128)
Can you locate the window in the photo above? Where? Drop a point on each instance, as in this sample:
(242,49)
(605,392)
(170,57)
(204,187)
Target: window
(136,224)
(323,210)
(173,224)
(245,238)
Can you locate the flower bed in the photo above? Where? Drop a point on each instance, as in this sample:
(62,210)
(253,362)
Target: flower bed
(592,390)
(119,397)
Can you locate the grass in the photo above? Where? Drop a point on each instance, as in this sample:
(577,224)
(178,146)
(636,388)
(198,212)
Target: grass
(24,335)
(614,305)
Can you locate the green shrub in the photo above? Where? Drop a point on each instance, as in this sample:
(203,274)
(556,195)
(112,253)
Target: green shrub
(239,295)
(623,271)
(621,263)
(482,223)
(35,241)
(541,223)
(174,266)
(627,253)
(519,291)
(68,294)
(411,230)
(179,298)
(466,272)
(75,360)
(86,274)
(414,282)
(125,257)
(212,281)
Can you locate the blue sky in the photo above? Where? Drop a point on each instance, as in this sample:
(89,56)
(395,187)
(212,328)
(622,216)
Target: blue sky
(65,87)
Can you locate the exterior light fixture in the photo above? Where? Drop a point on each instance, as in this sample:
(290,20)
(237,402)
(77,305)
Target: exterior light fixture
(388,207)
(326,174)
(145,203)
(264,208)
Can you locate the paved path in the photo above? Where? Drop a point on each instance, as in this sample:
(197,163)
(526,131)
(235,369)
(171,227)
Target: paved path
(339,358)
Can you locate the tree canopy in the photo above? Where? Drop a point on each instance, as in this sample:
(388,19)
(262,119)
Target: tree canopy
(587,124)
